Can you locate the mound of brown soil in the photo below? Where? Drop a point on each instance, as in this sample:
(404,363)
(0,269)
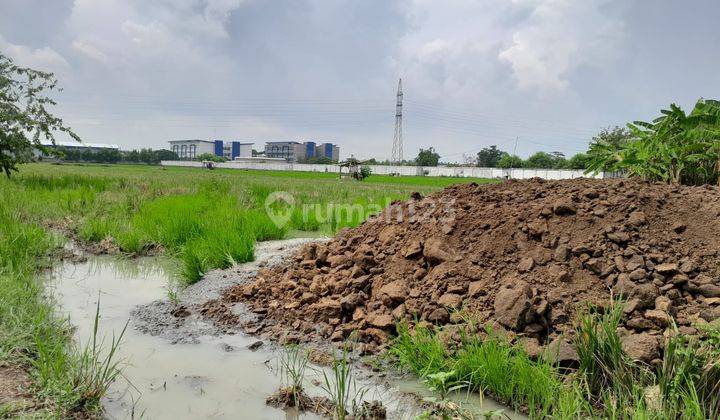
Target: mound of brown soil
(524,256)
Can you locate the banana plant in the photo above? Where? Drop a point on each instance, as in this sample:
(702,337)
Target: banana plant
(675,147)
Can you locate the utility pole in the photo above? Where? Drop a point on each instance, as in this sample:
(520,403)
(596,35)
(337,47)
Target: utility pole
(397,147)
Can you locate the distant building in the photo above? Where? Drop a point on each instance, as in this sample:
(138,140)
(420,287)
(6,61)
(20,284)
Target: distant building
(293,151)
(328,150)
(191,149)
(74,145)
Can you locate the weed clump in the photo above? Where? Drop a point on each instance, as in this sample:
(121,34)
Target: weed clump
(689,378)
(205,231)
(606,383)
(343,394)
(491,365)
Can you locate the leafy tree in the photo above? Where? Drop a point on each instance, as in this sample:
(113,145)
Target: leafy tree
(106,156)
(608,141)
(579,161)
(675,147)
(427,157)
(363,173)
(543,160)
(67,153)
(211,157)
(132,156)
(510,161)
(86,155)
(489,157)
(146,155)
(164,154)
(24,117)
(616,136)
(559,160)
(540,160)
(149,156)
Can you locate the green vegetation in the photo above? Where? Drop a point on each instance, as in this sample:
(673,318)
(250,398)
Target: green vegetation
(205,219)
(293,363)
(675,147)
(606,383)
(345,395)
(690,375)
(365,172)
(489,157)
(427,157)
(211,157)
(609,377)
(491,365)
(492,157)
(149,156)
(24,116)
(554,160)
(608,139)
(67,379)
(510,161)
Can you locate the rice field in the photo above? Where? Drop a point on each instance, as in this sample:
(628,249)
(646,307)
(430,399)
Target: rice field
(207,219)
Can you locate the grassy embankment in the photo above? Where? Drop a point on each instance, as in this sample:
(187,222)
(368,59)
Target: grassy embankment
(606,384)
(207,219)
(36,345)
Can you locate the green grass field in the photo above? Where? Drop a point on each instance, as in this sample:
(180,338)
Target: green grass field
(205,219)
(208,219)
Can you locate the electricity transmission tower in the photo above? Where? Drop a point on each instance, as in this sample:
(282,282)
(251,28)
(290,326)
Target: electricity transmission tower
(397,147)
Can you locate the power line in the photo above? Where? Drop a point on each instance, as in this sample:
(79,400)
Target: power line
(494,116)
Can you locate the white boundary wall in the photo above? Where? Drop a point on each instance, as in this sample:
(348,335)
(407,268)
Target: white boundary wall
(458,171)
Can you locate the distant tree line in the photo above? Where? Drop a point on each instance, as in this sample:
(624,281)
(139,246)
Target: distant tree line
(148,156)
(492,157)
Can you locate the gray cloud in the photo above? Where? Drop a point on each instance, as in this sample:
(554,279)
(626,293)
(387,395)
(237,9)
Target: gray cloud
(549,72)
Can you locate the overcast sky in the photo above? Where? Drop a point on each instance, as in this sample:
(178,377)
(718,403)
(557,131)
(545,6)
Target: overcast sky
(549,73)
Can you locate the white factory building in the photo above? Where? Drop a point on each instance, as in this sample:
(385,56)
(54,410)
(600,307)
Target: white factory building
(191,149)
(93,147)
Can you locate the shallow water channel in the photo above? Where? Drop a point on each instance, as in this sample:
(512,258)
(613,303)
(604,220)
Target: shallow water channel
(219,377)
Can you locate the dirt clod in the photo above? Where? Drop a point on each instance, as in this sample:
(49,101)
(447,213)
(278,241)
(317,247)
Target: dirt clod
(523,255)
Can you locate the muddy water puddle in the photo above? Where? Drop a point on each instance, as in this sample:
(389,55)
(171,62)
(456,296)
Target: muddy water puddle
(218,377)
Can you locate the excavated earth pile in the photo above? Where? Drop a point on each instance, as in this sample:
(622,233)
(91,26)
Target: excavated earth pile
(523,256)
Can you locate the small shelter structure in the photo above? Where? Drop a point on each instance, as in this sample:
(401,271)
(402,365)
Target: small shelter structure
(352,168)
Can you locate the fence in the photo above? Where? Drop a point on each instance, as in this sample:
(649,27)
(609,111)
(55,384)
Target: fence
(457,171)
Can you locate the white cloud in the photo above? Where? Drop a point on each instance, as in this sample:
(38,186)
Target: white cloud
(91,51)
(561,35)
(44,58)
